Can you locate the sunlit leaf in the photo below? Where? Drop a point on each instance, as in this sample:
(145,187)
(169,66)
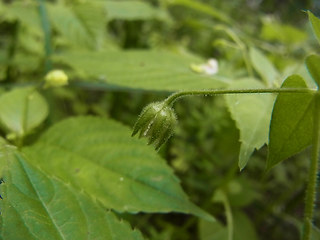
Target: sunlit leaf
(149,70)
(252,113)
(21,110)
(36,206)
(99,156)
(292,122)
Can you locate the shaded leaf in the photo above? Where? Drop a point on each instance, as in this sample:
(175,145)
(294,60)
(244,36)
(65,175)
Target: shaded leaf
(252,113)
(315,22)
(263,66)
(35,206)
(147,70)
(98,156)
(291,124)
(243,229)
(21,110)
(313,65)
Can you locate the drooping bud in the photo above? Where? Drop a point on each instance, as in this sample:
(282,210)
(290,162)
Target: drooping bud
(56,78)
(156,122)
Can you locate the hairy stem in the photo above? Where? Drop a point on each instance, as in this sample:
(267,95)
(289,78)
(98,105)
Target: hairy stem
(313,172)
(171,99)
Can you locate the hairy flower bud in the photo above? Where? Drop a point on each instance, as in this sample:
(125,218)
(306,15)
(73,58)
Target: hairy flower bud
(56,78)
(156,122)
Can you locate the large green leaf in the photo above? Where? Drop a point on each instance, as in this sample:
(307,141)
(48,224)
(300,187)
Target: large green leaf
(99,156)
(315,22)
(36,207)
(148,70)
(134,10)
(252,113)
(22,109)
(292,122)
(313,65)
(263,66)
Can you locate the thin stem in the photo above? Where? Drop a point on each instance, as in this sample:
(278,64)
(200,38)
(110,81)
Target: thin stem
(313,172)
(47,35)
(171,99)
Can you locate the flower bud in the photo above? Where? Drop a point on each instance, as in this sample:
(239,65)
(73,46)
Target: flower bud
(56,78)
(156,122)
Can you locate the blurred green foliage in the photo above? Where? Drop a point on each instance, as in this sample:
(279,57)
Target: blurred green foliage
(101,45)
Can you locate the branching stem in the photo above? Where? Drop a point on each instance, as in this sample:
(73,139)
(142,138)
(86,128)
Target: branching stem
(171,99)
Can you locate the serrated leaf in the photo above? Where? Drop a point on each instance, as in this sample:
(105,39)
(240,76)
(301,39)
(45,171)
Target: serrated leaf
(313,65)
(149,70)
(134,10)
(21,110)
(252,113)
(99,156)
(315,22)
(263,66)
(36,207)
(291,125)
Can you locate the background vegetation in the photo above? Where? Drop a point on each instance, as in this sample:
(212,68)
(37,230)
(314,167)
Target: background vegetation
(122,55)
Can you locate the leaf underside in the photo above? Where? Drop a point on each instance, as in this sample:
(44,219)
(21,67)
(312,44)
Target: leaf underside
(252,113)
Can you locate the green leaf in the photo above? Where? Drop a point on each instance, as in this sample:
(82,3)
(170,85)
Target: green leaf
(289,33)
(35,206)
(252,113)
(134,10)
(263,66)
(243,229)
(99,156)
(313,65)
(26,13)
(93,17)
(203,8)
(66,22)
(315,22)
(147,70)
(21,110)
(291,126)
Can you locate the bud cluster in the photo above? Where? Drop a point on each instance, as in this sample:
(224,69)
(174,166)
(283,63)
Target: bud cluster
(156,122)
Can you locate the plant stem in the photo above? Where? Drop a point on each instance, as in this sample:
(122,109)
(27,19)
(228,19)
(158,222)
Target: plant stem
(313,172)
(171,99)
(47,35)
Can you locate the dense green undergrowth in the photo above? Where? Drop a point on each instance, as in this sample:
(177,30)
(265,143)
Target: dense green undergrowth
(69,168)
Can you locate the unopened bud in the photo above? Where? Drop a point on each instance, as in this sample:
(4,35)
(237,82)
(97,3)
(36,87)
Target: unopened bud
(156,122)
(56,78)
